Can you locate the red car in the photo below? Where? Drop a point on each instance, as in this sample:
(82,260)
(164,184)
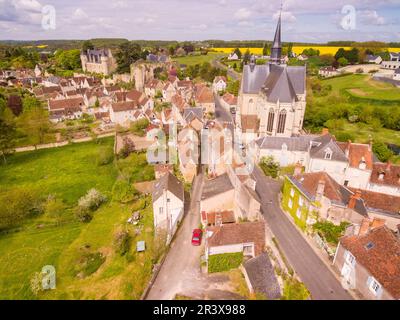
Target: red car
(196,237)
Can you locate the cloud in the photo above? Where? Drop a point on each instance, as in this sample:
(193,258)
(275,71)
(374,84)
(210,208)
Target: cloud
(287,16)
(21,12)
(371,17)
(199,27)
(80,14)
(242,14)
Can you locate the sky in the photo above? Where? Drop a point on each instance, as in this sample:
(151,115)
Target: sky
(302,21)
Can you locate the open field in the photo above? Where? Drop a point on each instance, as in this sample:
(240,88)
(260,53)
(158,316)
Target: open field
(199,59)
(69,172)
(296,49)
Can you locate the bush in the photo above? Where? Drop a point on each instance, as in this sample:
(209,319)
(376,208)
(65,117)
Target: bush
(224,262)
(123,191)
(89,203)
(269,166)
(138,127)
(382,151)
(122,242)
(330,231)
(54,208)
(105,156)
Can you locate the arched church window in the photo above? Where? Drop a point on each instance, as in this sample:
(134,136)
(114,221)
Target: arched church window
(282,122)
(271,118)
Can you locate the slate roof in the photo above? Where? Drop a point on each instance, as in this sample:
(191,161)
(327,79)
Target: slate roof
(299,143)
(278,86)
(170,183)
(255,78)
(189,114)
(216,186)
(322,143)
(262,276)
(382,260)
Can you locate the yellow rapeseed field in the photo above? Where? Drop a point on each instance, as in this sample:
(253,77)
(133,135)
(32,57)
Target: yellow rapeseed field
(297,49)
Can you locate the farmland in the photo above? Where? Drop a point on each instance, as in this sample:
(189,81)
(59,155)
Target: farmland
(296,49)
(198,59)
(68,173)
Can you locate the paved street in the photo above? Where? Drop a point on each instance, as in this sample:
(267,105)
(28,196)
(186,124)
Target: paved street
(231,73)
(317,277)
(222,115)
(183,259)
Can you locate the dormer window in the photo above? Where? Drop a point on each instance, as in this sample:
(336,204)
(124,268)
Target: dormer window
(328,154)
(381,176)
(363,164)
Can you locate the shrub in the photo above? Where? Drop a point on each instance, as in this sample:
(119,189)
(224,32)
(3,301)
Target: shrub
(138,127)
(105,156)
(330,231)
(269,166)
(54,208)
(224,262)
(382,151)
(294,290)
(122,242)
(36,283)
(123,191)
(89,203)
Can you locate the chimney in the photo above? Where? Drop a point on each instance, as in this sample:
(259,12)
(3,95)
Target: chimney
(388,166)
(325,131)
(298,169)
(353,199)
(347,151)
(370,143)
(320,189)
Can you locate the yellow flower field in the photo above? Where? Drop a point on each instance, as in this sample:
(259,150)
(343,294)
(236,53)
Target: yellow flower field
(296,49)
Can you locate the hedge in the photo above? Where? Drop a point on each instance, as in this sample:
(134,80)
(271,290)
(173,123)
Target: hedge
(224,262)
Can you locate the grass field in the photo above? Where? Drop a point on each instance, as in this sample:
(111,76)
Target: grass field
(363,86)
(69,172)
(296,49)
(199,59)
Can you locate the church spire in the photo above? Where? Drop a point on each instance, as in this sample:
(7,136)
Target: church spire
(276,50)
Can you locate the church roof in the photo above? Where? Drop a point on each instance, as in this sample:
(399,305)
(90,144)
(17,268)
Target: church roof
(278,86)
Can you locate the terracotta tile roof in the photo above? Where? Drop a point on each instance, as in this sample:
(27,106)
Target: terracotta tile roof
(230,99)
(112,88)
(152,84)
(185,84)
(74,103)
(134,95)
(219,78)
(380,202)
(238,233)
(357,153)
(179,102)
(119,96)
(226,217)
(250,123)
(390,174)
(123,106)
(382,260)
(204,94)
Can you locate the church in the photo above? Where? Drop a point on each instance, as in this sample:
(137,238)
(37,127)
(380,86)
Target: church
(272,97)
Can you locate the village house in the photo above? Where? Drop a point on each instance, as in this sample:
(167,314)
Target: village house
(396,75)
(373,59)
(178,107)
(153,87)
(193,117)
(168,204)
(229,102)
(385,178)
(188,153)
(204,98)
(168,92)
(302,57)
(392,65)
(161,169)
(233,56)
(327,72)
(123,113)
(394,56)
(219,84)
(65,109)
(369,261)
(246,237)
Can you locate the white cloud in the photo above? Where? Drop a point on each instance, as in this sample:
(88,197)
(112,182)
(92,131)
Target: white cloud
(287,16)
(371,17)
(242,14)
(80,14)
(200,26)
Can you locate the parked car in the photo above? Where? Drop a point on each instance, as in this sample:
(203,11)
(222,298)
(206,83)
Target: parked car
(196,237)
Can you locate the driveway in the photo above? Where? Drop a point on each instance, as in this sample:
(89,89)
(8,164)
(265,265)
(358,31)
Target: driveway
(317,277)
(182,263)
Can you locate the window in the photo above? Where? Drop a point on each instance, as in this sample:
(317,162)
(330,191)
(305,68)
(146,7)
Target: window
(161,210)
(298,213)
(346,183)
(282,122)
(301,201)
(373,285)
(328,154)
(271,118)
(350,259)
(292,192)
(290,204)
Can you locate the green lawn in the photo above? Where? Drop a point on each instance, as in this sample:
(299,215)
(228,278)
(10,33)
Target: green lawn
(363,86)
(199,59)
(69,172)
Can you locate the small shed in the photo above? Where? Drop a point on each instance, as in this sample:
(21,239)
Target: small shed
(140,246)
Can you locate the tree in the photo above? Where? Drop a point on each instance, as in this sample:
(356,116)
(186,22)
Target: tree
(266,49)
(238,53)
(34,120)
(233,87)
(68,59)
(128,53)
(7,138)
(87,45)
(246,57)
(290,50)
(343,62)
(382,151)
(269,166)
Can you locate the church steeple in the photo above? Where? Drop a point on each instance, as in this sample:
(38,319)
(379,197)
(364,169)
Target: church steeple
(276,50)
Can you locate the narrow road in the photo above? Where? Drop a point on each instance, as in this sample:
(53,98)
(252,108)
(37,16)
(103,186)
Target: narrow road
(230,72)
(317,277)
(222,115)
(182,263)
